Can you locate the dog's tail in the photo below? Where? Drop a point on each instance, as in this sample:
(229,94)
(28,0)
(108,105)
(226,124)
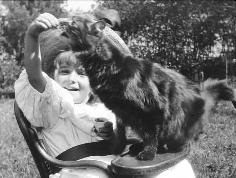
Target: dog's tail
(216,90)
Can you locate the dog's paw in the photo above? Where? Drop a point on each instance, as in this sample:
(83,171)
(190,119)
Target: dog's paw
(146,155)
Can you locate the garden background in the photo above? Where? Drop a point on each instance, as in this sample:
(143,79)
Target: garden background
(192,37)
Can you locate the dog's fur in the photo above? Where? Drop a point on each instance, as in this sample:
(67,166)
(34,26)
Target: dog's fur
(161,105)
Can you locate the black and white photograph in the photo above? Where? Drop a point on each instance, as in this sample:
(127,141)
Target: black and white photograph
(117,89)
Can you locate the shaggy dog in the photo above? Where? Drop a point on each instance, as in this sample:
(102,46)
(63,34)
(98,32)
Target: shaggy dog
(162,106)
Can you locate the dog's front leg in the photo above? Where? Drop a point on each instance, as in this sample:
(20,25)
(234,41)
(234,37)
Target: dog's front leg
(118,142)
(150,141)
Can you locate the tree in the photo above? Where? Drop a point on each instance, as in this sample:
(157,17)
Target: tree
(178,34)
(12,31)
(20,14)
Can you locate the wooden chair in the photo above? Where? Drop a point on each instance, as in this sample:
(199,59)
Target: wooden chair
(47,164)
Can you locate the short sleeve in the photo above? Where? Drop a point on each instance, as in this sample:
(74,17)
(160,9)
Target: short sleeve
(41,109)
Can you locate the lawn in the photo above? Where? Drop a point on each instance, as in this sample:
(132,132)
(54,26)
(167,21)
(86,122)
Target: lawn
(15,158)
(213,156)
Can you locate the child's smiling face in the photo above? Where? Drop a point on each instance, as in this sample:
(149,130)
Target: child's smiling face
(71,76)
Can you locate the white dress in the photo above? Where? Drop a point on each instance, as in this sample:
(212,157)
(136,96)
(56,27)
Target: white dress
(64,124)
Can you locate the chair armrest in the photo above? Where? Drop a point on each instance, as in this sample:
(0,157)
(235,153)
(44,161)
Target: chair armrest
(129,166)
(70,164)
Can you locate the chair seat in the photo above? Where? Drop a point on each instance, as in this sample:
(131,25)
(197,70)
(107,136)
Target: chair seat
(129,166)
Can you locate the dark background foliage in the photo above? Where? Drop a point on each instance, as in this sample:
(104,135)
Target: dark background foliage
(177,34)
(181,34)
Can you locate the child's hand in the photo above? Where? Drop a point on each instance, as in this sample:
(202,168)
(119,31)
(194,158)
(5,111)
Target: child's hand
(43,22)
(103,128)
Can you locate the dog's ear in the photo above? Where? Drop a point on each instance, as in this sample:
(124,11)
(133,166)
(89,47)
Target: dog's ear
(97,27)
(110,16)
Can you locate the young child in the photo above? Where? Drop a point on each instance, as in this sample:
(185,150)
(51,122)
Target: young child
(60,106)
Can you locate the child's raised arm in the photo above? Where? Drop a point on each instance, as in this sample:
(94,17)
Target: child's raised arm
(32,55)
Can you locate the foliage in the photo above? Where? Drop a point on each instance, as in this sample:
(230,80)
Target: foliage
(189,36)
(10,71)
(179,34)
(20,14)
(13,27)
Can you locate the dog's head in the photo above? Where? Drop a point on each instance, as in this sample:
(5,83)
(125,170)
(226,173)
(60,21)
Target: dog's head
(83,30)
(87,33)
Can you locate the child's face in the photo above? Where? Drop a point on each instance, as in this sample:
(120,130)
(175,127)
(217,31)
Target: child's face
(73,78)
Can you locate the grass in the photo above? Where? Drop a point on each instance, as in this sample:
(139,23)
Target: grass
(213,156)
(15,157)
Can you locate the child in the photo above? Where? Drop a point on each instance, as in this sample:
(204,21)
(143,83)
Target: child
(60,106)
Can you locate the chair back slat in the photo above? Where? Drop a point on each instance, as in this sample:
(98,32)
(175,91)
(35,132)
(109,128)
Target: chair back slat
(31,138)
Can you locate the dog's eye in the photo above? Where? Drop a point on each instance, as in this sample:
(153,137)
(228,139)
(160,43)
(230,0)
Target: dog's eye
(107,21)
(73,24)
(80,71)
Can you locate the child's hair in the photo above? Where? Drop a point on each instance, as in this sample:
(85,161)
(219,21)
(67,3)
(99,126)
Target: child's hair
(68,58)
(52,44)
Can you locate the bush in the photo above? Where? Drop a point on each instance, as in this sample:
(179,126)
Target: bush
(10,71)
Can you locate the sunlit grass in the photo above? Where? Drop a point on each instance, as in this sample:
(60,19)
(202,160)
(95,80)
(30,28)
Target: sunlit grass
(213,156)
(15,158)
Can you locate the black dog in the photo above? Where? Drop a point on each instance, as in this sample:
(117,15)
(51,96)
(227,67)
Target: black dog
(161,105)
